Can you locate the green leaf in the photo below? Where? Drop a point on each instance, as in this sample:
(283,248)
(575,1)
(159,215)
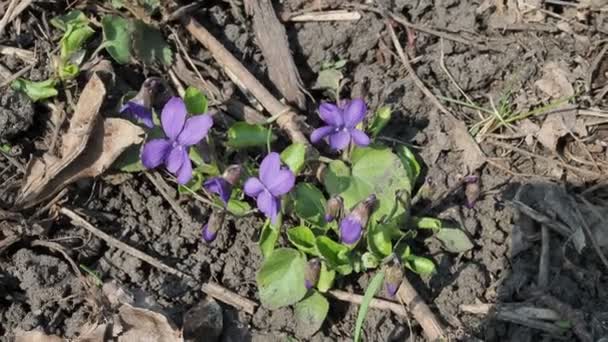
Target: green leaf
(376,171)
(6,148)
(129,160)
(117,38)
(36,90)
(420,265)
(75,17)
(374,285)
(294,156)
(238,208)
(243,135)
(194,185)
(311,313)
(196,157)
(454,240)
(149,44)
(303,239)
(281,278)
(268,239)
(310,204)
(336,255)
(326,278)
(328,79)
(74,38)
(427,223)
(379,240)
(340,63)
(369,260)
(68,71)
(381,118)
(196,101)
(409,162)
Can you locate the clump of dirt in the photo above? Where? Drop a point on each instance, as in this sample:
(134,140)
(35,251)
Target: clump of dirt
(16,114)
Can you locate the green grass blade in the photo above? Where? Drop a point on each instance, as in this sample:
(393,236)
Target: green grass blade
(372,288)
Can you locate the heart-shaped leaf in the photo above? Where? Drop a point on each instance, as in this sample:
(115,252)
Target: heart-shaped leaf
(311,313)
(281,278)
(303,239)
(310,204)
(454,240)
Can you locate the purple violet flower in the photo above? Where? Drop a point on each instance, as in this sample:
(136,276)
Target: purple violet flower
(341,122)
(351,227)
(181,134)
(140,106)
(222,186)
(274,181)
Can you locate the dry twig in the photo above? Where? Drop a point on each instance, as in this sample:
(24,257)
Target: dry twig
(224,295)
(545,257)
(160,185)
(337,15)
(375,303)
(432,326)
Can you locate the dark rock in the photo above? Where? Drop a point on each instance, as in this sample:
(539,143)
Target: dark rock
(204,322)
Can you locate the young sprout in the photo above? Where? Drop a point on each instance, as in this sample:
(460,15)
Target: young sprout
(351,227)
(341,122)
(181,134)
(215,223)
(140,106)
(222,186)
(333,208)
(311,274)
(274,181)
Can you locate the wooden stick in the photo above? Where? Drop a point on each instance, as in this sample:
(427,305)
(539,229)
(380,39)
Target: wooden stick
(433,328)
(376,303)
(545,257)
(337,15)
(287,118)
(272,39)
(224,295)
(7,15)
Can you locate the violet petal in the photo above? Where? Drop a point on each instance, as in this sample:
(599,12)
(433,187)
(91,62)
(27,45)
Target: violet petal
(282,183)
(339,140)
(269,205)
(321,133)
(359,137)
(184,174)
(354,112)
(253,187)
(350,230)
(219,186)
(154,153)
(331,114)
(195,129)
(173,117)
(269,168)
(175,159)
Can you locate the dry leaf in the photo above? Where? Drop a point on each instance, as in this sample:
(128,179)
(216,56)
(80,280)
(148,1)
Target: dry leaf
(529,128)
(555,81)
(108,140)
(35,336)
(40,171)
(144,325)
(555,127)
(514,12)
(93,332)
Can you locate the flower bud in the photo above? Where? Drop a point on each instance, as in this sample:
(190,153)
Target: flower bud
(311,275)
(333,208)
(215,223)
(352,226)
(393,276)
(232,174)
